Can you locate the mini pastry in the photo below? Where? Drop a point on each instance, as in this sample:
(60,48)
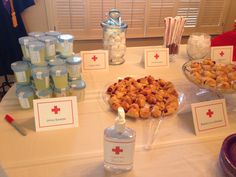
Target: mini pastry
(133,112)
(143,97)
(156,112)
(144,113)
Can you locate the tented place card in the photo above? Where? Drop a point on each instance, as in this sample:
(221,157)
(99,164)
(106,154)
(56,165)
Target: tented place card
(156,57)
(222,54)
(55,113)
(95,60)
(209,116)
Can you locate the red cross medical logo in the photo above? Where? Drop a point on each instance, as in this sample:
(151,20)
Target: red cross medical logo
(156,56)
(221,53)
(94,58)
(117,150)
(55,109)
(209,113)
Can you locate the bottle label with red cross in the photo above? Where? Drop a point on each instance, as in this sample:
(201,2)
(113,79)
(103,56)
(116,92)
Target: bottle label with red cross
(118,152)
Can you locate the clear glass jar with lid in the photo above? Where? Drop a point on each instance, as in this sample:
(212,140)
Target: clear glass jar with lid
(198,45)
(37,52)
(54,34)
(66,45)
(77,88)
(73,65)
(24,41)
(21,71)
(41,78)
(50,46)
(25,95)
(114,37)
(59,76)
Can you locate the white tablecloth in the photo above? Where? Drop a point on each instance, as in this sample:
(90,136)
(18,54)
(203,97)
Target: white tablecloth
(74,152)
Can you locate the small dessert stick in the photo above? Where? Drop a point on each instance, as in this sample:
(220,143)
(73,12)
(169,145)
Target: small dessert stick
(166,31)
(153,129)
(174,30)
(181,30)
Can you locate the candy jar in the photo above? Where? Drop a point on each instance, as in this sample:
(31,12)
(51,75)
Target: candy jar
(198,45)
(114,39)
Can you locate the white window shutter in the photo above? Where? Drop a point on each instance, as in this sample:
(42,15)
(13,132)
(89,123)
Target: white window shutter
(190,10)
(145,18)
(157,11)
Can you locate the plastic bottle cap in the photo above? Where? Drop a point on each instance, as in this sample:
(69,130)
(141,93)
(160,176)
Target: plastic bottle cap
(36,34)
(48,39)
(25,40)
(56,62)
(45,92)
(25,91)
(74,60)
(53,33)
(19,66)
(65,37)
(77,84)
(120,120)
(58,70)
(40,72)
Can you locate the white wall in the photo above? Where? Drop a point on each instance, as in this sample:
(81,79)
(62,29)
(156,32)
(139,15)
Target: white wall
(35,18)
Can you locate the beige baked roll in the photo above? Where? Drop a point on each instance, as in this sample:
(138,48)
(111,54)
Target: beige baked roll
(144,113)
(115,106)
(113,99)
(141,102)
(209,82)
(156,111)
(208,61)
(224,85)
(133,112)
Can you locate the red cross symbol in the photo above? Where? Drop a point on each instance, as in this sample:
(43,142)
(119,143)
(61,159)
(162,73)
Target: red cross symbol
(221,53)
(156,56)
(55,109)
(117,150)
(94,58)
(209,113)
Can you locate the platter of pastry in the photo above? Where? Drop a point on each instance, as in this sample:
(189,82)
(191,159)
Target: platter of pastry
(143,97)
(208,74)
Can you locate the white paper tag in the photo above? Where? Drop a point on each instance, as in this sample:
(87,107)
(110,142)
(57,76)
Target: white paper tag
(24,102)
(118,153)
(58,72)
(21,76)
(209,116)
(156,58)
(55,113)
(39,75)
(34,56)
(95,60)
(222,54)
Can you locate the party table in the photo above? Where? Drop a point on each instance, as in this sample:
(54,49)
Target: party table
(74,152)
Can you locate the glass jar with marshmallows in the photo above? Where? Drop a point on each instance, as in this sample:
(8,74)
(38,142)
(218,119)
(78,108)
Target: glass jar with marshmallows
(198,46)
(114,38)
